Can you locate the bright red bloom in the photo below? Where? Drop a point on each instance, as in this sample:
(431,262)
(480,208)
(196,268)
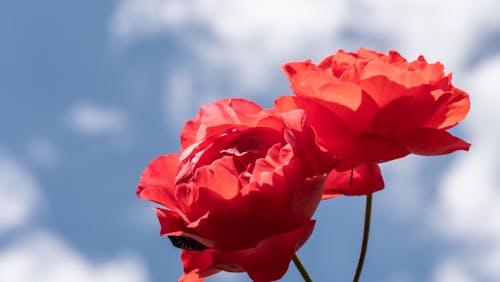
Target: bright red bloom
(241,194)
(371,107)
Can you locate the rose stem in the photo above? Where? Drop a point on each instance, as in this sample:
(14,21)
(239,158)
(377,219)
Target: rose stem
(366,233)
(301,268)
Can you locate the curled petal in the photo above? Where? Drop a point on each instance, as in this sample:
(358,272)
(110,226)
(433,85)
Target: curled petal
(330,129)
(218,117)
(192,276)
(403,112)
(196,262)
(267,261)
(402,77)
(234,230)
(343,93)
(171,223)
(307,197)
(221,176)
(157,181)
(431,141)
(291,69)
(371,148)
(383,90)
(362,180)
(451,108)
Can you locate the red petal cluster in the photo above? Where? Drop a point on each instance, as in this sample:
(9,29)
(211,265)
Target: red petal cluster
(242,187)
(241,193)
(367,107)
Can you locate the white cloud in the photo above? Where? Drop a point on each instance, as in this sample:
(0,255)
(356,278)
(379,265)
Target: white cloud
(452,271)
(148,17)
(247,40)
(231,21)
(92,119)
(254,38)
(467,210)
(440,30)
(41,256)
(224,276)
(20,194)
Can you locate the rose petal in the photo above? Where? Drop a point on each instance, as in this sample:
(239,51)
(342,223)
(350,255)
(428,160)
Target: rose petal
(218,117)
(303,139)
(307,197)
(343,93)
(192,276)
(171,223)
(291,69)
(403,112)
(340,60)
(231,229)
(362,180)
(431,141)
(455,106)
(373,55)
(331,131)
(430,72)
(382,89)
(369,147)
(308,83)
(195,262)
(157,181)
(267,261)
(220,176)
(402,77)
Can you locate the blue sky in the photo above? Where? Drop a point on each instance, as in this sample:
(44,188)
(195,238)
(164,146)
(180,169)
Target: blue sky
(90,91)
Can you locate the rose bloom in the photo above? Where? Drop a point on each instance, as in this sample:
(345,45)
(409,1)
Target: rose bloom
(369,107)
(241,194)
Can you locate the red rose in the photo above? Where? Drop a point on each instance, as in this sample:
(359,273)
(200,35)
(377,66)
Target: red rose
(371,107)
(241,194)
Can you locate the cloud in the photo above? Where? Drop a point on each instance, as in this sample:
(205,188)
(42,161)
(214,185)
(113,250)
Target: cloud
(467,211)
(441,30)
(42,256)
(20,194)
(246,42)
(137,18)
(233,22)
(224,276)
(452,271)
(254,38)
(92,119)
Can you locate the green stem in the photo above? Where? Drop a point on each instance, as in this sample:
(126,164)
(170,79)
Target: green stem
(366,233)
(301,268)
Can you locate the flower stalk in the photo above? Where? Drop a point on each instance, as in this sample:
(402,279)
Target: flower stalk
(302,270)
(364,243)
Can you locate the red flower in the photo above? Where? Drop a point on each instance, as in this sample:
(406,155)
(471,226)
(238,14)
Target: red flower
(241,194)
(371,107)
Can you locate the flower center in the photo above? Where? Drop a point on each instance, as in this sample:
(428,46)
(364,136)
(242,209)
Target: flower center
(186,243)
